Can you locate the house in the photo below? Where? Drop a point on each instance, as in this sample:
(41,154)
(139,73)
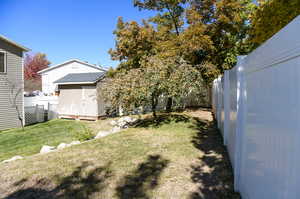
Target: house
(53,73)
(11,83)
(78,96)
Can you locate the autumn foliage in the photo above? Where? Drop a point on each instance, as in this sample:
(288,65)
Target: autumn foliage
(198,39)
(32,65)
(271,16)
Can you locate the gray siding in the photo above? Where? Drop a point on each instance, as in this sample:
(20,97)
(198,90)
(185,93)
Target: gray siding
(14,73)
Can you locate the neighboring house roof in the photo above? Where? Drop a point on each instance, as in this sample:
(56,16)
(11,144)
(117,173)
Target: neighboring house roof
(80,78)
(68,62)
(14,43)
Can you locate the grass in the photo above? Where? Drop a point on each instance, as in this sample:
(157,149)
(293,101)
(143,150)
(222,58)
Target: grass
(176,156)
(17,142)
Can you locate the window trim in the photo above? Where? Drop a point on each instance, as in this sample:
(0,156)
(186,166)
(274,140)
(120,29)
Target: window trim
(5,62)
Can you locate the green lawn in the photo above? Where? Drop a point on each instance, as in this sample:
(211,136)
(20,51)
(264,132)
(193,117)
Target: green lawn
(18,142)
(181,155)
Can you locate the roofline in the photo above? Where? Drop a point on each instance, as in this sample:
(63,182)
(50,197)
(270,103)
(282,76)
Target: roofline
(14,43)
(69,61)
(94,82)
(67,83)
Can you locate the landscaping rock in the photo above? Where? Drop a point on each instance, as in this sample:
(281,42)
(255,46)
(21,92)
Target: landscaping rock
(113,123)
(75,142)
(102,134)
(47,149)
(124,122)
(62,146)
(13,159)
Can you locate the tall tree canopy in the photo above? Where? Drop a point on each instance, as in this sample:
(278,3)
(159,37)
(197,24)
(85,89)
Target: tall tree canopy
(133,41)
(32,65)
(206,35)
(270,17)
(213,32)
(227,25)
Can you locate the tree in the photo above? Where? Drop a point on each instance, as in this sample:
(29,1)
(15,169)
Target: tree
(32,65)
(170,12)
(156,79)
(271,16)
(169,24)
(15,91)
(133,41)
(227,25)
(32,85)
(207,35)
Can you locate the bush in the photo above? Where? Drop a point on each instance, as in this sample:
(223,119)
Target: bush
(84,134)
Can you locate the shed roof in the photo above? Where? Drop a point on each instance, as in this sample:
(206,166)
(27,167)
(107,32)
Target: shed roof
(14,43)
(80,78)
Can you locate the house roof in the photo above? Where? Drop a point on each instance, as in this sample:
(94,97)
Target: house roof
(68,62)
(14,43)
(80,78)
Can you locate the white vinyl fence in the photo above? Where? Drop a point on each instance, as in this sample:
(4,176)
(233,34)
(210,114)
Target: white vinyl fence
(38,113)
(40,109)
(52,112)
(257,107)
(40,100)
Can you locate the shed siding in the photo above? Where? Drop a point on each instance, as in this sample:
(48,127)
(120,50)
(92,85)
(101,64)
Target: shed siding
(101,102)
(78,100)
(14,73)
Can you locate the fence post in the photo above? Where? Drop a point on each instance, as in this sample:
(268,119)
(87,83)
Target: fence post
(219,105)
(240,121)
(36,113)
(49,112)
(226,104)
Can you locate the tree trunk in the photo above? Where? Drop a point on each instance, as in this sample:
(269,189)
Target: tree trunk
(20,117)
(154,104)
(169,105)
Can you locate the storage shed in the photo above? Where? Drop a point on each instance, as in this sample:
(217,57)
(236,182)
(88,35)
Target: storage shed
(78,96)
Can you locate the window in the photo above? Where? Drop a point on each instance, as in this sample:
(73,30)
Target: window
(2,62)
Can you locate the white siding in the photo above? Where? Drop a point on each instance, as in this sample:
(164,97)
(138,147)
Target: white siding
(51,76)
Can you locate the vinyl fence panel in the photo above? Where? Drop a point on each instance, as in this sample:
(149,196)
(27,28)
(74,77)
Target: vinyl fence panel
(261,98)
(52,111)
(40,100)
(214,98)
(270,143)
(220,102)
(226,106)
(232,112)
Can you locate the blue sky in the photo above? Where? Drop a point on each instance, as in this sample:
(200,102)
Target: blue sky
(66,29)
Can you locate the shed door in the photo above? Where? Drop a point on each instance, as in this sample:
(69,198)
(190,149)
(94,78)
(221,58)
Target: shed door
(88,101)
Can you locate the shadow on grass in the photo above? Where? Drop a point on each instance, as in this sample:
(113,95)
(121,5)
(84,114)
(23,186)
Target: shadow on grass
(213,172)
(80,184)
(160,120)
(144,179)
